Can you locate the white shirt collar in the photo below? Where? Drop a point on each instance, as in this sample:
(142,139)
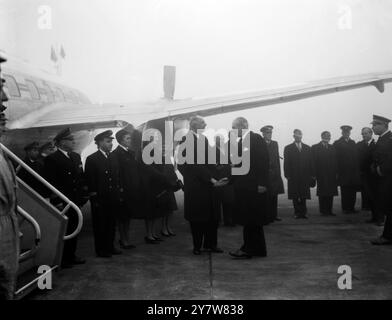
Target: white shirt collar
(103,152)
(384,133)
(64,152)
(125,148)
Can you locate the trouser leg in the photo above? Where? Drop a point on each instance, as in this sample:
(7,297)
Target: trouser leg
(71,244)
(387,234)
(254,240)
(211,235)
(197,234)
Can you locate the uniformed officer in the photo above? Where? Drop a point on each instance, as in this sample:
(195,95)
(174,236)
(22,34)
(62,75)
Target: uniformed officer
(382,170)
(33,161)
(47,149)
(9,228)
(348,169)
(102,191)
(64,171)
(275,176)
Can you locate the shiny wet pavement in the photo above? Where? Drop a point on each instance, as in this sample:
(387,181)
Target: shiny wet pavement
(302,263)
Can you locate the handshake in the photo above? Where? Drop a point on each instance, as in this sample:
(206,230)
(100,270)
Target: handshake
(219,183)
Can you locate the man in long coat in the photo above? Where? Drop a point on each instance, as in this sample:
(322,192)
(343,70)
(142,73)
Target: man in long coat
(250,191)
(382,171)
(275,176)
(299,172)
(365,155)
(103,190)
(9,227)
(64,171)
(348,169)
(325,166)
(199,181)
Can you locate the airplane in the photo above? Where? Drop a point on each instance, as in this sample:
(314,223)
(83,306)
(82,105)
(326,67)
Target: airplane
(40,105)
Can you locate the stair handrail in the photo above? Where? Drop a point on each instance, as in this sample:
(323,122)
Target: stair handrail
(37,230)
(69,203)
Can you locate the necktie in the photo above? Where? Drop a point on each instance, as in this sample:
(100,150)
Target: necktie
(299,146)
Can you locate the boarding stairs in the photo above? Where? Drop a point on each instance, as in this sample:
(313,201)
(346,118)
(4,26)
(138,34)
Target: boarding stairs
(42,230)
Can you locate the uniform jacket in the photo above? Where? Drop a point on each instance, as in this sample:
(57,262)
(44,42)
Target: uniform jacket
(365,156)
(298,170)
(348,165)
(38,167)
(325,167)
(67,175)
(101,179)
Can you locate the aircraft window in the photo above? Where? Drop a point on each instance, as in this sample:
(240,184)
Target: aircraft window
(33,89)
(11,85)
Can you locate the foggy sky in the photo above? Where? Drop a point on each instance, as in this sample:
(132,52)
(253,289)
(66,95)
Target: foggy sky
(116,51)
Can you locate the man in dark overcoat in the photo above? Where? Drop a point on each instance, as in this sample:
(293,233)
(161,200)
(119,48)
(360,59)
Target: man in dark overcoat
(199,181)
(250,190)
(365,153)
(348,169)
(275,176)
(64,171)
(382,171)
(325,166)
(103,188)
(299,172)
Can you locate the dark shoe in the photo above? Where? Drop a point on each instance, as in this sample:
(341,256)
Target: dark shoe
(239,254)
(116,251)
(305,217)
(379,223)
(196,252)
(150,241)
(158,239)
(126,247)
(297,217)
(381,241)
(172,233)
(278,219)
(165,234)
(78,260)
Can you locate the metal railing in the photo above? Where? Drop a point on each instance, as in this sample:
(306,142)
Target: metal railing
(30,253)
(69,203)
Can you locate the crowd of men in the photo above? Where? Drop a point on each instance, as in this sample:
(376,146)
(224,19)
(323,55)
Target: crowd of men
(121,187)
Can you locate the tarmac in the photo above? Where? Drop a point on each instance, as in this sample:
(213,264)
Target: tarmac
(302,263)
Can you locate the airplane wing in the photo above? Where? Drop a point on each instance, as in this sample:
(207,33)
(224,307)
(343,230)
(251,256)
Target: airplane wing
(110,115)
(43,124)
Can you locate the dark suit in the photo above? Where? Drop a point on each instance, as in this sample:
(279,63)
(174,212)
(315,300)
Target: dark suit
(275,180)
(251,206)
(38,167)
(66,174)
(348,172)
(325,166)
(365,154)
(298,170)
(102,183)
(382,158)
(199,207)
